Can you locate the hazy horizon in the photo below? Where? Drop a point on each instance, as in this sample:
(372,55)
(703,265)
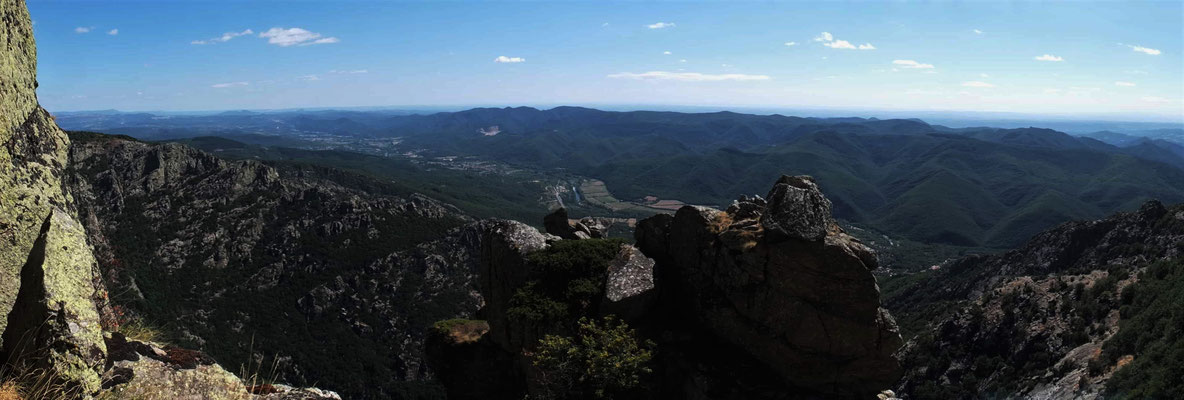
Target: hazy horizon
(1112,61)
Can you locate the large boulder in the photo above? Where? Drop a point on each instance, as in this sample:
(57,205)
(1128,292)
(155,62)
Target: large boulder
(796,209)
(782,282)
(54,324)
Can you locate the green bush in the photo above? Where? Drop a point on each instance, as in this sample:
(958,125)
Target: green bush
(603,359)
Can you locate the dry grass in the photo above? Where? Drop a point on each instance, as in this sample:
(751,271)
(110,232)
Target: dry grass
(253,373)
(32,384)
(721,223)
(9,391)
(136,329)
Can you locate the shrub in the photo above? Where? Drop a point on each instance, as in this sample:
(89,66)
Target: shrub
(603,358)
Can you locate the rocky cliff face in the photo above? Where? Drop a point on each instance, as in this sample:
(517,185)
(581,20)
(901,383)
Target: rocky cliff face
(1041,321)
(48,291)
(248,261)
(55,339)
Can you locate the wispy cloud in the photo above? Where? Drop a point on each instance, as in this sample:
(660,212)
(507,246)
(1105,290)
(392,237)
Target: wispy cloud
(224,38)
(977,32)
(285,37)
(350,71)
(1123,83)
(667,53)
(791,43)
(113,32)
(660,25)
(83,29)
(229,84)
(1156,99)
(311,78)
(1145,50)
(1049,57)
(829,40)
(688,76)
(504,59)
(977,84)
(911,64)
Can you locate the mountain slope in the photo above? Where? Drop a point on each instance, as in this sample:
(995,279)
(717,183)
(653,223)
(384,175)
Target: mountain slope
(1086,309)
(245,260)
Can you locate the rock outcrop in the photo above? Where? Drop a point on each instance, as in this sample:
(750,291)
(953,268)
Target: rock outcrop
(780,280)
(1034,322)
(48,314)
(735,311)
(558,224)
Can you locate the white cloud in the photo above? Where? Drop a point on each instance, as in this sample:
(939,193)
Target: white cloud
(667,53)
(343,71)
(688,76)
(829,40)
(229,84)
(1121,83)
(984,75)
(224,38)
(1155,99)
(504,59)
(310,78)
(977,32)
(682,60)
(295,37)
(840,44)
(113,32)
(83,29)
(791,43)
(660,25)
(977,84)
(912,64)
(1049,57)
(1145,50)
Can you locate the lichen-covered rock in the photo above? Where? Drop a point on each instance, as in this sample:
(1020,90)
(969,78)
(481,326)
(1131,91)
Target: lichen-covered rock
(54,323)
(32,152)
(630,274)
(784,284)
(796,209)
(629,288)
(285,392)
(143,370)
(48,315)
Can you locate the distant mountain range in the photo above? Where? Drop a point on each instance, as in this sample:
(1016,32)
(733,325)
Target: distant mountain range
(966,186)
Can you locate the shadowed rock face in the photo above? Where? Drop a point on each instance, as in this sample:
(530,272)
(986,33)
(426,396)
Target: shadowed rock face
(782,282)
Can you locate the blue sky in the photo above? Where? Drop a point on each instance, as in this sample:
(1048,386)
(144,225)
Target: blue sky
(1113,59)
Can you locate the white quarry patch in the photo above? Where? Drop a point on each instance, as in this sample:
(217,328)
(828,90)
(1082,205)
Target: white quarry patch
(490,131)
